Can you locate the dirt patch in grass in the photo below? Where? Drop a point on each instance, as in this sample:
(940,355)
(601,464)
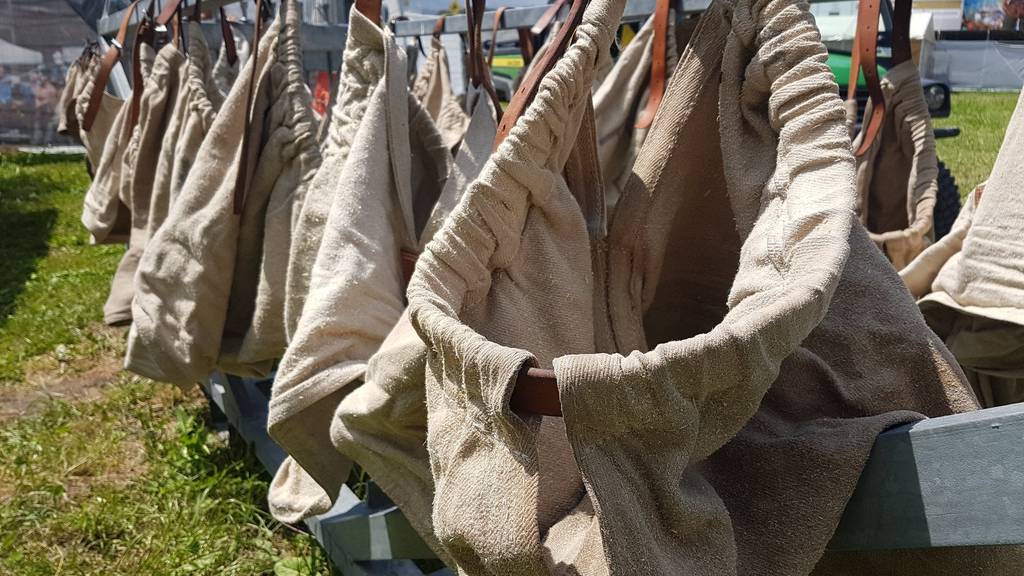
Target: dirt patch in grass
(48,378)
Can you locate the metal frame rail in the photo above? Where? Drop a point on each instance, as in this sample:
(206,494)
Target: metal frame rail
(949,481)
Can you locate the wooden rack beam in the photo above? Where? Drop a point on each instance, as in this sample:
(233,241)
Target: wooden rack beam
(515,18)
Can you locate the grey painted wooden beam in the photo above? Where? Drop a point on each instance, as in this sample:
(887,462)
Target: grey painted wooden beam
(951,481)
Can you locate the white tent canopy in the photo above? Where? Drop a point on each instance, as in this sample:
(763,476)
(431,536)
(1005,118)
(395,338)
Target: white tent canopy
(14,55)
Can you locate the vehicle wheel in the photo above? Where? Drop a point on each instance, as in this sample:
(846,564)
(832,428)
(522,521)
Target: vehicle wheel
(947,203)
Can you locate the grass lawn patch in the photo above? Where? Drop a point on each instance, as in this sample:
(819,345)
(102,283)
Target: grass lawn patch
(982,118)
(103,472)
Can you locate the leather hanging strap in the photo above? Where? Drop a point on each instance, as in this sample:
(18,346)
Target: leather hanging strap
(656,86)
(494,35)
(408,263)
(479,71)
(526,45)
(547,18)
(144,34)
(536,392)
(439,27)
(525,40)
(242,177)
(371,9)
(901,50)
(228,36)
(865,58)
(110,58)
(528,89)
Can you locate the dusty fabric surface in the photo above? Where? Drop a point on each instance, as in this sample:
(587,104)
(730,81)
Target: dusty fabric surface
(986,276)
(618,102)
(140,170)
(433,88)
(392,177)
(896,177)
(754,396)
(106,212)
(361,70)
(382,424)
(508,498)
(288,161)
(95,139)
(972,280)
(196,106)
(180,335)
(74,80)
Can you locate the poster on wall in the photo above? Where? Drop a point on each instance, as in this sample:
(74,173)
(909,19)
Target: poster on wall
(986,15)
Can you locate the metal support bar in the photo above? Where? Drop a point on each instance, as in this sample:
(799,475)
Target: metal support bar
(515,18)
(950,481)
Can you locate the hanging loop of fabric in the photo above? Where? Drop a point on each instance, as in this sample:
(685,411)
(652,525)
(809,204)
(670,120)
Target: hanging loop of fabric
(536,390)
(228,36)
(528,89)
(144,34)
(110,58)
(242,178)
(479,69)
(656,87)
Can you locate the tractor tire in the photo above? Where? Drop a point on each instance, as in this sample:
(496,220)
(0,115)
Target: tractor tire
(947,202)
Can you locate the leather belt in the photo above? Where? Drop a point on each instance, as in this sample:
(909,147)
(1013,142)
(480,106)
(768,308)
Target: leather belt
(656,86)
(112,55)
(528,89)
(865,56)
(479,71)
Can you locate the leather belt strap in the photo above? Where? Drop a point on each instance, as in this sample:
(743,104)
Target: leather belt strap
(526,45)
(494,34)
(110,58)
(169,11)
(656,86)
(479,71)
(408,263)
(439,27)
(901,50)
(536,392)
(144,34)
(229,37)
(864,58)
(370,9)
(528,89)
(525,40)
(242,177)
(547,18)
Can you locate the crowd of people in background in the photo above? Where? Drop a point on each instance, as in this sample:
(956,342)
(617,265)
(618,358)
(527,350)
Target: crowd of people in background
(28,103)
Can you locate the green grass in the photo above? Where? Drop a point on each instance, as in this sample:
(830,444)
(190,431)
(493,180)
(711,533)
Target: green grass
(102,472)
(982,118)
(52,282)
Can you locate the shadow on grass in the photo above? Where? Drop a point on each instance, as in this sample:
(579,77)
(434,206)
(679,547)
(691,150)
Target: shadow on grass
(25,243)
